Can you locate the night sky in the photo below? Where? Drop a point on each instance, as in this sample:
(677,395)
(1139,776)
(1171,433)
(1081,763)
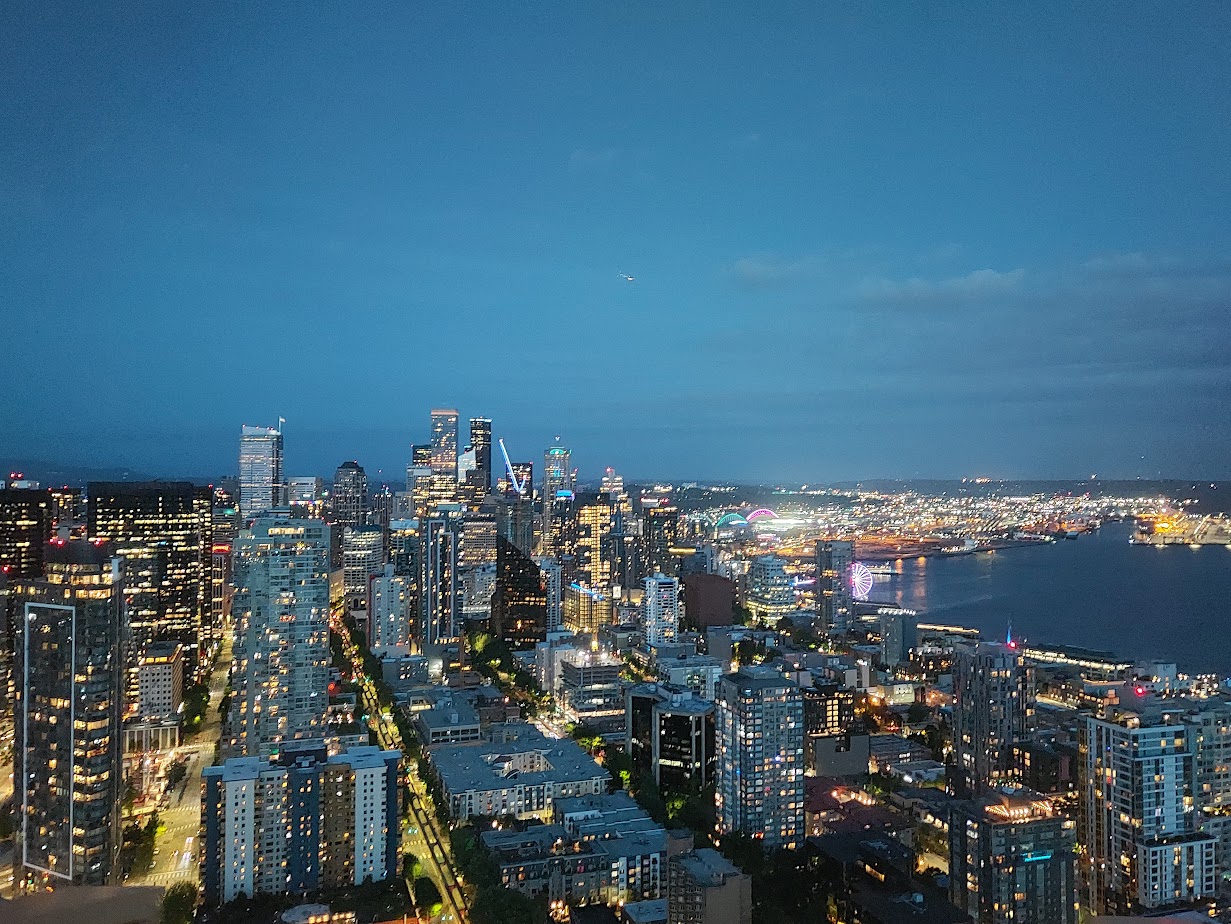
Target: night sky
(889,242)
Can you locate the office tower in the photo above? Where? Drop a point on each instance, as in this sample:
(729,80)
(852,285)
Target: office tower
(444,442)
(25,527)
(523,472)
(771,592)
(389,602)
(481,443)
(834,559)
(704,887)
(225,521)
(519,605)
(349,499)
(586,609)
(160,682)
(164,532)
(899,629)
(1013,860)
(477,538)
(299,821)
(515,520)
(363,557)
(557,478)
(592,543)
(69,682)
(760,760)
(990,703)
(383,507)
(625,551)
(662,610)
(560,530)
(67,509)
(440,605)
(1140,824)
(669,733)
(307,493)
(553,591)
(281,610)
(660,534)
(262,485)
(418,485)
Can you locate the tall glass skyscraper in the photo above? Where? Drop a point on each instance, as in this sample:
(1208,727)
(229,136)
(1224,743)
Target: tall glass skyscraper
(262,484)
(444,441)
(481,443)
(67,781)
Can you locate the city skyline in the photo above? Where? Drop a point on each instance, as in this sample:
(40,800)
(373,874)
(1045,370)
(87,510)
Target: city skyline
(849,256)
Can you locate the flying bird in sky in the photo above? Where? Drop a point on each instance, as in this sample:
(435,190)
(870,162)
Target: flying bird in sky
(626,277)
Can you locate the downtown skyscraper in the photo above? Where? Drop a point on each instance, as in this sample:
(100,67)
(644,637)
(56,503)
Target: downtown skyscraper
(281,611)
(481,444)
(349,498)
(662,610)
(164,532)
(834,601)
(262,482)
(69,685)
(444,442)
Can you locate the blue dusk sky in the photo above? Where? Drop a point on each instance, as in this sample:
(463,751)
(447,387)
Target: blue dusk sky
(868,240)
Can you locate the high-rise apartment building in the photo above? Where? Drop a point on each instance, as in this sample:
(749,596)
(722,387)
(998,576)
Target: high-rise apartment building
(69,683)
(760,759)
(25,527)
(349,498)
(299,821)
(363,557)
(834,600)
(444,442)
(281,611)
(390,600)
(262,484)
(553,591)
(660,534)
(990,705)
(481,444)
(1140,819)
(1012,860)
(771,592)
(661,606)
(164,532)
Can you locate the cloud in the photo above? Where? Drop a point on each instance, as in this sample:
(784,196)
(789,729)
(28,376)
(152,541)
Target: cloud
(593,158)
(983,283)
(767,270)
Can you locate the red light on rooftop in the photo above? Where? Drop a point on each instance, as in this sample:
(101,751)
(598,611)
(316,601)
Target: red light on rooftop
(1140,691)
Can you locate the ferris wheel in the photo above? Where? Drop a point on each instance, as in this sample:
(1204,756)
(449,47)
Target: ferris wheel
(861,580)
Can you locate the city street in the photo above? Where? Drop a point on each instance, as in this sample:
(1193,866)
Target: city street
(428,842)
(175,860)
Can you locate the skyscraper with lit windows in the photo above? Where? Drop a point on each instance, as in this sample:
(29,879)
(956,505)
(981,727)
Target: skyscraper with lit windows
(662,610)
(990,704)
(444,442)
(25,526)
(760,757)
(481,443)
(349,498)
(69,683)
(834,560)
(281,611)
(262,483)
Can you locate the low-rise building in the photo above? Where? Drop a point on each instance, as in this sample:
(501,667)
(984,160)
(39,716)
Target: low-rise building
(704,887)
(514,769)
(160,682)
(450,721)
